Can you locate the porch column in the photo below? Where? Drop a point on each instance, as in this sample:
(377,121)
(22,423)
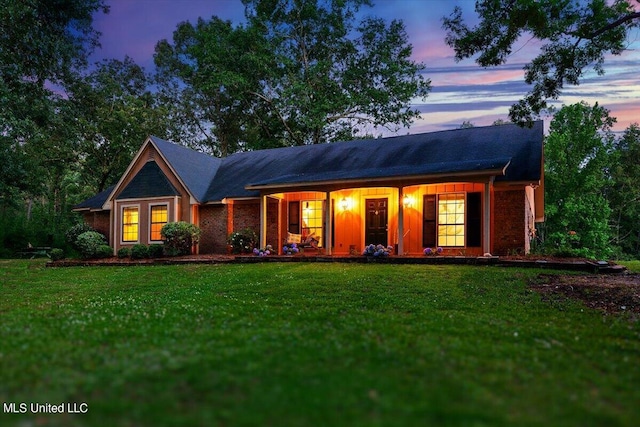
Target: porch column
(263,221)
(400,221)
(486,238)
(329,223)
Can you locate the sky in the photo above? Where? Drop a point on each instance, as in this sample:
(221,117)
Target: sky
(461,91)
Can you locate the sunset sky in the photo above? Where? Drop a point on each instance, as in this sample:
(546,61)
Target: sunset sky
(460,91)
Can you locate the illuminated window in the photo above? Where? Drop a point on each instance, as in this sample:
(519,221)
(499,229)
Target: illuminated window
(451,219)
(312,220)
(159,215)
(130,222)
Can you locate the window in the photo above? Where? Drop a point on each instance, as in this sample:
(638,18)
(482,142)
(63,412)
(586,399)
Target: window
(130,222)
(159,215)
(312,220)
(451,219)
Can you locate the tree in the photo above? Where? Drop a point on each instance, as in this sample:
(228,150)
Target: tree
(625,195)
(115,111)
(43,45)
(577,159)
(575,34)
(299,72)
(210,77)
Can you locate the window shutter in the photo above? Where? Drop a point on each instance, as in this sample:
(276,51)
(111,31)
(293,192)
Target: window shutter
(429,220)
(474,219)
(294,217)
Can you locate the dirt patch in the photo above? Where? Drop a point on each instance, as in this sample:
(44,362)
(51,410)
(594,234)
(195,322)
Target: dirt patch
(612,294)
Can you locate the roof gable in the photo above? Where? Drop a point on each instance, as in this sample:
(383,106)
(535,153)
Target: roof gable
(150,181)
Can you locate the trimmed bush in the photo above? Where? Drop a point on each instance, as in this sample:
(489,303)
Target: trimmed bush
(88,243)
(179,237)
(56,254)
(104,251)
(156,250)
(74,232)
(139,251)
(124,252)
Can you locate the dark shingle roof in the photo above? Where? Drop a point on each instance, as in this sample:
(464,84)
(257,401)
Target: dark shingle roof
(95,202)
(477,150)
(474,149)
(195,169)
(150,181)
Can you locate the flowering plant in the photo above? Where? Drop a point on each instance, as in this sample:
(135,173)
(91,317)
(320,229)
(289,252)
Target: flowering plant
(290,249)
(243,241)
(377,250)
(429,251)
(263,252)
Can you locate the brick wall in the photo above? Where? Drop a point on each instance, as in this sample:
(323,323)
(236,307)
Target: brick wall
(509,222)
(99,221)
(246,215)
(213,223)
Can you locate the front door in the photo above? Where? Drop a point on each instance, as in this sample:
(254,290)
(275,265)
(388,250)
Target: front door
(376,224)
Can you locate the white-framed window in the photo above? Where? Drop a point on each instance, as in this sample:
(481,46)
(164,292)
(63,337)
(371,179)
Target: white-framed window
(158,217)
(130,224)
(451,214)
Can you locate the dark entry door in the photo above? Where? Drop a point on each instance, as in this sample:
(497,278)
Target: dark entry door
(376,224)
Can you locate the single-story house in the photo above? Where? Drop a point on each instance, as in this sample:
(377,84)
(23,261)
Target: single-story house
(470,191)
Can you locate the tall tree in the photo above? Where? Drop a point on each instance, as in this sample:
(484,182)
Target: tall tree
(115,110)
(575,35)
(209,77)
(299,72)
(43,43)
(577,159)
(625,195)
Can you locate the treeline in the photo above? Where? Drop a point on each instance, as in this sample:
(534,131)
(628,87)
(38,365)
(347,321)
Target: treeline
(294,73)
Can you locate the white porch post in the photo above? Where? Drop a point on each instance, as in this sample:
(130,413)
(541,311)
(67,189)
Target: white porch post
(486,238)
(329,223)
(400,221)
(263,221)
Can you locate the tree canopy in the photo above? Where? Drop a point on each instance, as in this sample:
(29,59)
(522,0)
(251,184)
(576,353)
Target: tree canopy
(577,162)
(299,72)
(575,35)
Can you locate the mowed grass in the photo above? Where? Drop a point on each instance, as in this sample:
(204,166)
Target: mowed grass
(309,344)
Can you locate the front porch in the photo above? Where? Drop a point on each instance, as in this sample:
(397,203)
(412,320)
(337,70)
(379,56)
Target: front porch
(456,217)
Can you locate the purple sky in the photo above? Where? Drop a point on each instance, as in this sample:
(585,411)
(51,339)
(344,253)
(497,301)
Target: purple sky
(461,91)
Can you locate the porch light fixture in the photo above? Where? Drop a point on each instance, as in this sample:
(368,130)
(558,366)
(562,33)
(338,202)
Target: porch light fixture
(407,201)
(344,204)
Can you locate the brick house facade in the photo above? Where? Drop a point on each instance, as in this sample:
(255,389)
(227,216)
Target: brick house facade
(469,191)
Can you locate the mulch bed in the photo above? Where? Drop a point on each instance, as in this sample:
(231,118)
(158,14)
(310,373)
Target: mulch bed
(611,294)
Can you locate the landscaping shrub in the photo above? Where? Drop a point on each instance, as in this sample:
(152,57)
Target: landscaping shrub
(74,232)
(104,251)
(139,251)
(179,237)
(243,241)
(156,250)
(124,252)
(56,254)
(88,243)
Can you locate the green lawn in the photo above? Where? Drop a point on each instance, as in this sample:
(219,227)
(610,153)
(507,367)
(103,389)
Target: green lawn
(309,344)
